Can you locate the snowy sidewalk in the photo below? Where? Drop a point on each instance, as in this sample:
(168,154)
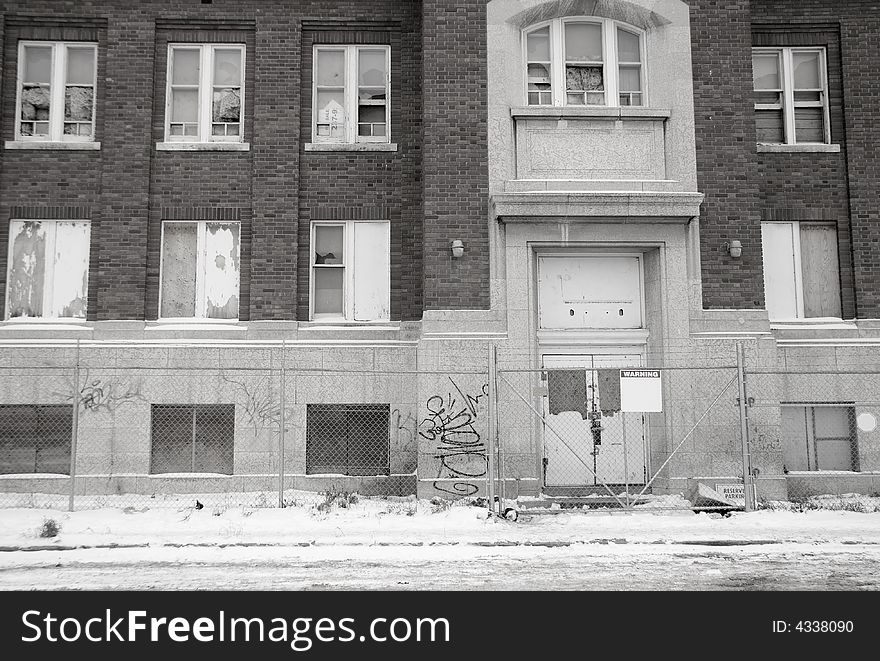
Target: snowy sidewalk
(377,522)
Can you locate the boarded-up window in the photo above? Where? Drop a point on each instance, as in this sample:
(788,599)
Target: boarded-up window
(192,439)
(791,95)
(200,270)
(351,270)
(35,439)
(801,270)
(48,268)
(347,439)
(819,438)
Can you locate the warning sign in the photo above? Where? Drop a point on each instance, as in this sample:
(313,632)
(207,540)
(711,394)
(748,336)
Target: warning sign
(641,391)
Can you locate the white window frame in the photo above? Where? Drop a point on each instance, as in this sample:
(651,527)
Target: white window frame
(610,64)
(58,86)
(788,104)
(205,93)
(348,277)
(49,274)
(201,257)
(350,94)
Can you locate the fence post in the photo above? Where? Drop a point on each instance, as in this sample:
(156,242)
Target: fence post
(282,431)
(74,432)
(490,445)
(744,427)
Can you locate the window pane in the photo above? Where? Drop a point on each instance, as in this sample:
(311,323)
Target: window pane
(769,126)
(78,104)
(330,114)
(806,70)
(330,68)
(184,106)
(179,270)
(328,244)
(809,124)
(185,66)
(227,66)
(27,269)
(584,79)
(226,106)
(80,66)
(765,71)
(371,67)
(328,290)
(171,439)
(371,120)
(583,42)
(769,98)
(70,279)
(221,270)
(37,64)
(214,440)
(538,45)
(628,47)
(630,79)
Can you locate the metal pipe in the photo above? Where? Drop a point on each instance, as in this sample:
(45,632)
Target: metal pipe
(74,432)
(490,446)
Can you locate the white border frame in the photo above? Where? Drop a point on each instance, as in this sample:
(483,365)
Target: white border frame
(58,84)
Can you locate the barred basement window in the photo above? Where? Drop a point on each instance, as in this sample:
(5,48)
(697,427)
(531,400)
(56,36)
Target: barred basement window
(819,437)
(205,93)
(350,269)
(351,94)
(35,438)
(791,95)
(584,61)
(192,438)
(48,269)
(200,270)
(347,439)
(801,270)
(56,91)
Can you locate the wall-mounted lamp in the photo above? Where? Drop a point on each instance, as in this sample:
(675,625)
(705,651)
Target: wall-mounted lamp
(734,248)
(457,248)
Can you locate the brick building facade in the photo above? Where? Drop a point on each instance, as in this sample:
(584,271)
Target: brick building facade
(206,161)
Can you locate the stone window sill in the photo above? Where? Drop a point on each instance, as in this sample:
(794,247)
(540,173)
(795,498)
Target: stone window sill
(350,146)
(52,146)
(203,146)
(768,148)
(597,112)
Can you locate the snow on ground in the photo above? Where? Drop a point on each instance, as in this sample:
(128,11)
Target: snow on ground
(378,521)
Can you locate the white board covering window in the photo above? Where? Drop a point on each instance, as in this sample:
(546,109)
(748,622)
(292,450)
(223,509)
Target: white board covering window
(48,269)
(200,270)
(801,270)
(351,270)
(819,438)
(56,91)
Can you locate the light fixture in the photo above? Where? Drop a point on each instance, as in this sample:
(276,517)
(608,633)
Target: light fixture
(457,248)
(734,248)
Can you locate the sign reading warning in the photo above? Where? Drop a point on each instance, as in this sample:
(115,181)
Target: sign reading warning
(641,391)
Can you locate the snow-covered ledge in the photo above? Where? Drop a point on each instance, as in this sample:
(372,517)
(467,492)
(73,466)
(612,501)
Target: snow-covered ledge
(203,146)
(52,146)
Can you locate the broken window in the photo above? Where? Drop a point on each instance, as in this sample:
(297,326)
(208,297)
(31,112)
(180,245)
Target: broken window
(350,268)
(56,91)
(347,439)
(584,62)
(35,438)
(801,270)
(192,439)
(351,94)
(791,95)
(820,437)
(200,269)
(205,93)
(48,268)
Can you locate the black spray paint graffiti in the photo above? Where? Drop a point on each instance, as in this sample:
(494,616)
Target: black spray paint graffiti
(406,426)
(259,406)
(104,394)
(460,452)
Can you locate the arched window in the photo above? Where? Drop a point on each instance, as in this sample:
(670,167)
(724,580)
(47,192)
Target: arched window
(584,62)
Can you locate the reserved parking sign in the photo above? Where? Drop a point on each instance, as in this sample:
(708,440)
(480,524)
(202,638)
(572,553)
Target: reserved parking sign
(641,391)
